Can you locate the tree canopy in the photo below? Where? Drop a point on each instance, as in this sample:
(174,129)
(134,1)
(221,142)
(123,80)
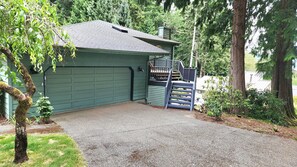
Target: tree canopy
(28,31)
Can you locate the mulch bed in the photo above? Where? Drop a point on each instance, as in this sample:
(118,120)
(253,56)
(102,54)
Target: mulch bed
(3,121)
(251,124)
(52,127)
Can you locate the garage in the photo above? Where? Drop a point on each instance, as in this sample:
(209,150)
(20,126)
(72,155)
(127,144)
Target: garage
(73,88)
(109,66)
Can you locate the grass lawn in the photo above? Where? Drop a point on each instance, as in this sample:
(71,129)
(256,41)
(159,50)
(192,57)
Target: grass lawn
(43,150)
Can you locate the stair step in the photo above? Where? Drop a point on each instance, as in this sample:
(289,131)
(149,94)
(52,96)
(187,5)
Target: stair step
(180,94)
(182,86)
(181,90)
(179,102)
(179,106)
(181,98)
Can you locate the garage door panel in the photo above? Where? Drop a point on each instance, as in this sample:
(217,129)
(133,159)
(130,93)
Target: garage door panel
(53,90)
(82,79)
(82,95)
(120,84)
(104,71)
(77,88)
(62,107)
(60,97)
(83,103)
(60,71)
(104,79)
(58,80)
(80,71)
(103,86)
(105,100)
(82,86)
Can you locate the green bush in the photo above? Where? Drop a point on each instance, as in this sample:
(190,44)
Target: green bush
(44,109)
(220,98)
(265,106)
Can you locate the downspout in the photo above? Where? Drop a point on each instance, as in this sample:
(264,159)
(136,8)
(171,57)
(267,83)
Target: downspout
(44,80)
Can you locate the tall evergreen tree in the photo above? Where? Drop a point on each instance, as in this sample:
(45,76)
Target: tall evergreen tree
(278,21)
(238,43)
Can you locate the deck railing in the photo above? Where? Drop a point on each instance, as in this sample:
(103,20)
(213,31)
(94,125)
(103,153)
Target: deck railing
(188,74)
(164,66)
(168,88)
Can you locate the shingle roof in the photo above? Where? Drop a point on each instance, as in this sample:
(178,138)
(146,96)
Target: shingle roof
(100,35)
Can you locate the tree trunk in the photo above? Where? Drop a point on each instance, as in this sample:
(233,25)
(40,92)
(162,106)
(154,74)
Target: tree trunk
(20,131)
(25,102)
(281,82)
(238,42)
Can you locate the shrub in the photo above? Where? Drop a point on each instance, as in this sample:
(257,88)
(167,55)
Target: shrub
(264,105)
(221,98)
(44,109)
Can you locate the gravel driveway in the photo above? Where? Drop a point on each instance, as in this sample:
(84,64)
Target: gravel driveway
(133,134)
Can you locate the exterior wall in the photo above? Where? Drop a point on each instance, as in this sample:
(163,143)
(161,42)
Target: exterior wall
(89,58)
(156,95)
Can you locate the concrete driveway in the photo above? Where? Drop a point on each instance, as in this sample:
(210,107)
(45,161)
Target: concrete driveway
(133,134)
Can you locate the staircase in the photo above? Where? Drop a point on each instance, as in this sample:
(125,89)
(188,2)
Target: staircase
(180,82)
(182,95)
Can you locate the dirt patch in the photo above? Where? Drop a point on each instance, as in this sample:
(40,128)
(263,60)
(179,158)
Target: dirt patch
(44,128)
(135,156)
(251,124)
(138,155)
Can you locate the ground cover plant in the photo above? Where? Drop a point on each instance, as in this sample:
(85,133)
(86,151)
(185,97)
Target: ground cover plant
(44,150)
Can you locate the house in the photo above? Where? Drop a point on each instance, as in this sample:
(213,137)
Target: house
(111,66)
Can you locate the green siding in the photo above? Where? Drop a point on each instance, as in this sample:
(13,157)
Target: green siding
(5,98)
(113,60)
(156,95)
(60,91)
(76,88)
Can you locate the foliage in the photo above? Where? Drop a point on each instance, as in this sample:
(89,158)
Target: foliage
(27,28)
(146,16)
(44,108)
(266,48)
(44,150)
(220,97)
(29,33)
(264,105)
(277,46)
(214,58)
(76,11)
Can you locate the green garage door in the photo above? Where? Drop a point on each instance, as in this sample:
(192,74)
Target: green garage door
(77,88)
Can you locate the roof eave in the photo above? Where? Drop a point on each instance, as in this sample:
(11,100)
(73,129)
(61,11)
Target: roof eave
(98,50)
(161,41)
